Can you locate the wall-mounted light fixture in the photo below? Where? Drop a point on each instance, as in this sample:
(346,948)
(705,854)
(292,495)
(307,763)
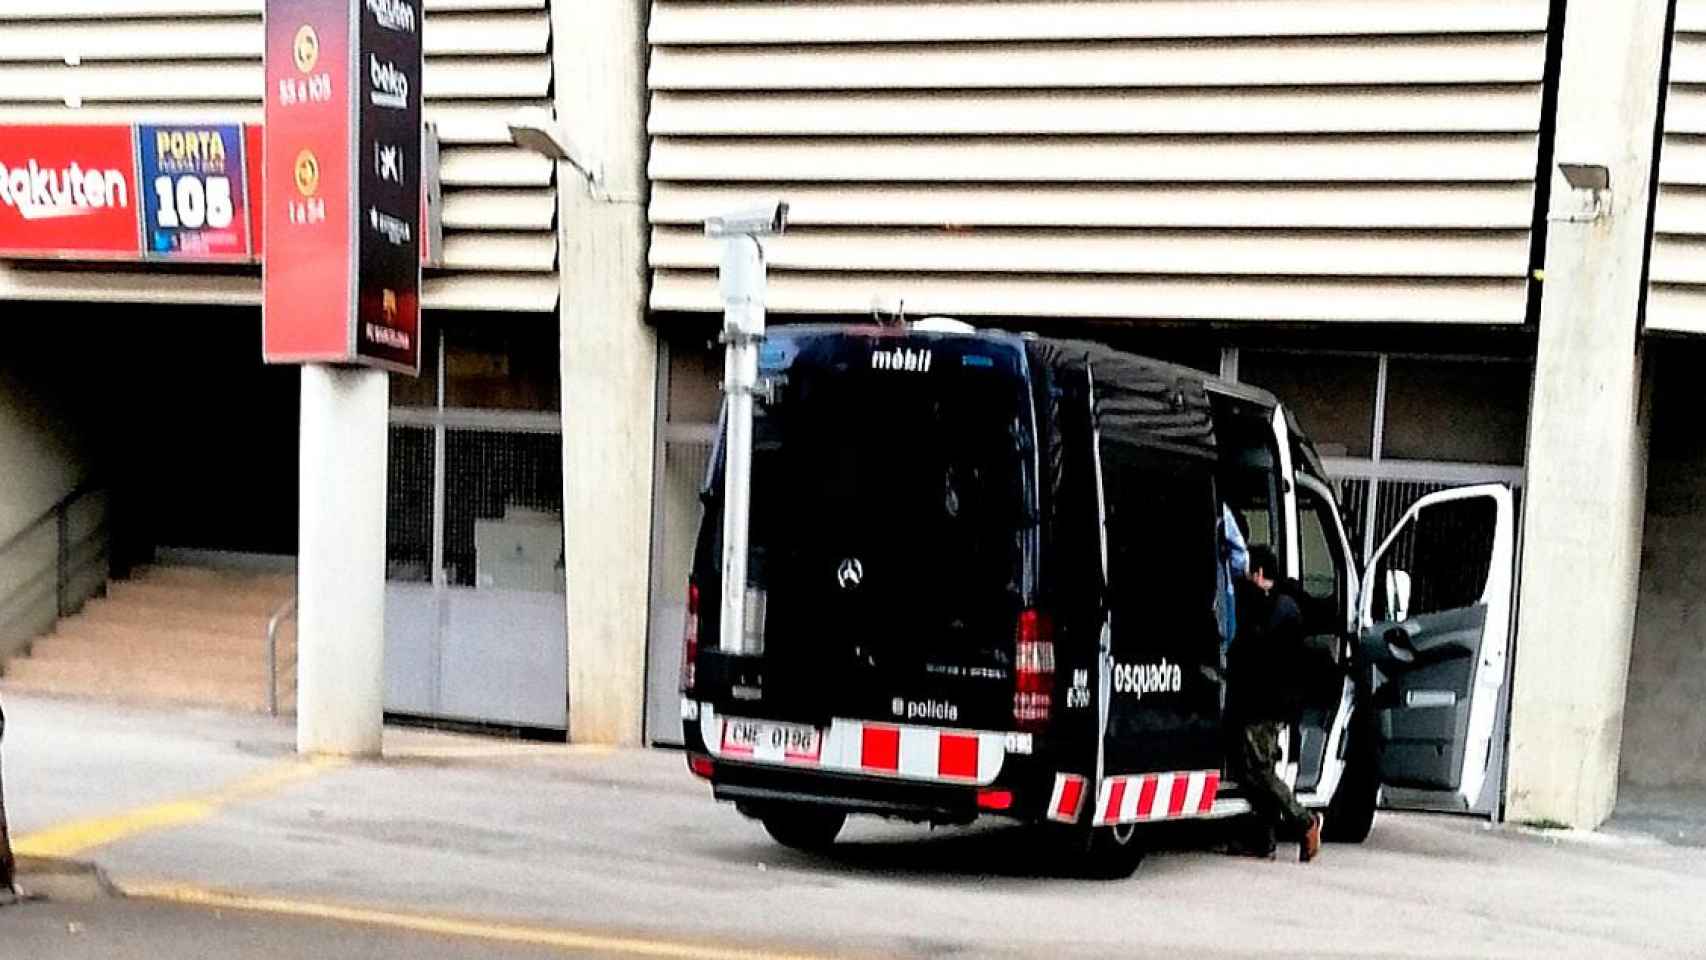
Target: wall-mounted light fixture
(538,130)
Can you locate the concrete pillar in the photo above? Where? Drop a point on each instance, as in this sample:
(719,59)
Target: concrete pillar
(340,572)
(609,365)
(1587,434)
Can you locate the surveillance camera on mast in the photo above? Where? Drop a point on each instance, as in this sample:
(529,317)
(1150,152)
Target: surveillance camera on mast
(768,220)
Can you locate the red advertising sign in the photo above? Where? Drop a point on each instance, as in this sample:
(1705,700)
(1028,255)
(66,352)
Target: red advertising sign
(308,279)
(130,227)
(68,191)
(342,183)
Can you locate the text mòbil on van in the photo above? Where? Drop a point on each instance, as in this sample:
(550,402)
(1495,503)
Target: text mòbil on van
(982,580)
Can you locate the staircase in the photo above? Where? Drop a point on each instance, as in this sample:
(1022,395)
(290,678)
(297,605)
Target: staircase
(169,634)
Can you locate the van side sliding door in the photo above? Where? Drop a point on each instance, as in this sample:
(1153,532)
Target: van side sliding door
(1435,618)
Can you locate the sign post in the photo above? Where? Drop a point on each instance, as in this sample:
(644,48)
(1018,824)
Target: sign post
(341,285)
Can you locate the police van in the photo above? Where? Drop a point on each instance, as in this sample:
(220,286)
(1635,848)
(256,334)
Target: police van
(982,579)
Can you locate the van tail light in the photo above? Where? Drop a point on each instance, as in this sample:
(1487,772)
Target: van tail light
(1033,671)
(690,641)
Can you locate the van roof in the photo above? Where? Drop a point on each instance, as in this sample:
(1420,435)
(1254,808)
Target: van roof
(1099,354)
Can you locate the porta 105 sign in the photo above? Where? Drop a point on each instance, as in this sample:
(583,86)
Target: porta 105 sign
(194,191)
(341,167)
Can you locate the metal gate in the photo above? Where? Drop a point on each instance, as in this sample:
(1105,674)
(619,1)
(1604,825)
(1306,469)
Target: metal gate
(475,623)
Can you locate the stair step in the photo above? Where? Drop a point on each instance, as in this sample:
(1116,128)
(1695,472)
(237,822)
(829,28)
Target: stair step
(118,637)
(119,613)
(102,659)
(175,597)
(131,685)
(209,576)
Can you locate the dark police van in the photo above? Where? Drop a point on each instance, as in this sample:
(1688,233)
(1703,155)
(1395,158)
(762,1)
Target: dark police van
(983,576)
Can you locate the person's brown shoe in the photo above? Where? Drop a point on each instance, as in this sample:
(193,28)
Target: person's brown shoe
(1310,848)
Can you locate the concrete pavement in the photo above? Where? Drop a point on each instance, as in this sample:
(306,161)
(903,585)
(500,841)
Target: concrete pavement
(625,846)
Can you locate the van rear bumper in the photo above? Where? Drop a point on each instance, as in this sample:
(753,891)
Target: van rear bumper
(754,785)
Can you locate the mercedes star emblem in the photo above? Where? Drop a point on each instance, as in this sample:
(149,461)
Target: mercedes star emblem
(850,573)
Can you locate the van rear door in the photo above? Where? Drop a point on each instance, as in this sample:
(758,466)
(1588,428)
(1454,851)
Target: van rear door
(893,528)
(1436,624)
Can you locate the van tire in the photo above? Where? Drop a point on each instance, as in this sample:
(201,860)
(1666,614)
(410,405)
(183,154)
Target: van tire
(1350,816)
(811,829)
(1113,853)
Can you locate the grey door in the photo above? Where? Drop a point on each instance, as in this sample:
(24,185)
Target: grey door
(1435,623)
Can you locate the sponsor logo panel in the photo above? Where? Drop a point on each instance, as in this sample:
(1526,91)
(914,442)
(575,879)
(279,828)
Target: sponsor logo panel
(194,192)
(68,191)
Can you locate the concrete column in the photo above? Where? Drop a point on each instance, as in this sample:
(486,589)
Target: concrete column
(1587,433)
(609,365)
(340,572)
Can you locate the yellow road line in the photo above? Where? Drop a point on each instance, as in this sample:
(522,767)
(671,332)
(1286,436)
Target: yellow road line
(451,927)
(79,836)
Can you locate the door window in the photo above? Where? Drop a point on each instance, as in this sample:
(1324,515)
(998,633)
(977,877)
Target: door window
(1323,563)
(1438,561)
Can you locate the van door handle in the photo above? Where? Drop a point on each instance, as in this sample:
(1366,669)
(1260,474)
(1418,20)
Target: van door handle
(1400,643)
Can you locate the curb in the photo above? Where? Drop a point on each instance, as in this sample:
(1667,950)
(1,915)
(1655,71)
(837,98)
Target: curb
(61,881)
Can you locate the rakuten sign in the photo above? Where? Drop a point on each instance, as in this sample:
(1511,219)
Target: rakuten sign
(67,191)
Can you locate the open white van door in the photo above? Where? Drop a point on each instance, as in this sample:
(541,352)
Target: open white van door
(1435,625)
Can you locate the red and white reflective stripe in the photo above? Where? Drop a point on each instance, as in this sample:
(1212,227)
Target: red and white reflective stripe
(934,754)
(1156,796)
(1068,797)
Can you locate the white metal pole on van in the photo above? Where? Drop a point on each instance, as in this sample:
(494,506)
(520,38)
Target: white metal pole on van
(742,281)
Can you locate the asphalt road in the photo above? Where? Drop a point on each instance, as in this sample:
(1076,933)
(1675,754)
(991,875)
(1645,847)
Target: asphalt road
(478,846)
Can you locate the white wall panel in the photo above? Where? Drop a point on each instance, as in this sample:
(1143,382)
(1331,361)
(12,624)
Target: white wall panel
(1185,159)
(121,61)
(1677,297)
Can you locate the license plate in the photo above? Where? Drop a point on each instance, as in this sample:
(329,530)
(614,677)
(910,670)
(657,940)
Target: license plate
(768,740)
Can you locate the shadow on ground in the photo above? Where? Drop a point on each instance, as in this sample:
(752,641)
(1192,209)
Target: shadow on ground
(1675,815)
(985,852)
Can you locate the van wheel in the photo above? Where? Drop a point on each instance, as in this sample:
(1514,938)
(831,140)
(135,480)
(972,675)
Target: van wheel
(812,829)
(1113,853)
(1350,816)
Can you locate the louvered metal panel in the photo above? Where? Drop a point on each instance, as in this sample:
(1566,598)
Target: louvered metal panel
(763,22)
(1116,63)
(1110,252)
(1120,298)
(1187,159)
(120,61)
(1498,109)
(1500,206)
(1677,297)
(1437,158)
(460,290)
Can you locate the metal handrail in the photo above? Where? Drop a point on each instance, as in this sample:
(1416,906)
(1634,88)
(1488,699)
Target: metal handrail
(280,615)
(60,513)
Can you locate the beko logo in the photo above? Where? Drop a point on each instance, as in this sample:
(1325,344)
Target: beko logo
(39,193)
(925,709)
(393,15)
(390,86)
(1142,678)
(900,358)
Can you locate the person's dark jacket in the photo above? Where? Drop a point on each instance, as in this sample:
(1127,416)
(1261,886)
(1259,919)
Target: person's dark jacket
(1267,664)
